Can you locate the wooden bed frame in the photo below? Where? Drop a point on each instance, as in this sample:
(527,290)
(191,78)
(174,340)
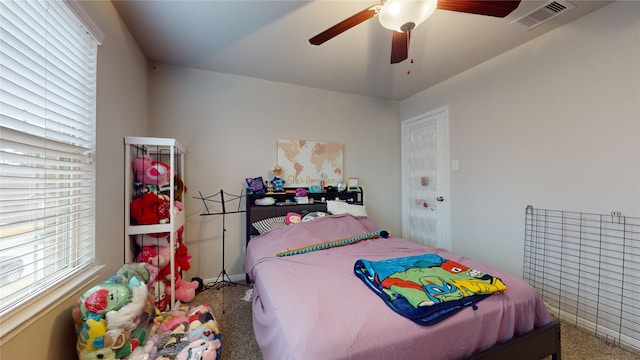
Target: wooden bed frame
(537,344)
(534,345)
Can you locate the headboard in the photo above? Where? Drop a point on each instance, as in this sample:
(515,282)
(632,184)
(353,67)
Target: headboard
(285,203)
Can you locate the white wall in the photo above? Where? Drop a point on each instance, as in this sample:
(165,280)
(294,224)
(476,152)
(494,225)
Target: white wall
(554,123)
(230,124)
(121,110)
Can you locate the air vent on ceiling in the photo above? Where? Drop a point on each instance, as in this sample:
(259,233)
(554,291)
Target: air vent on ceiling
(544,13)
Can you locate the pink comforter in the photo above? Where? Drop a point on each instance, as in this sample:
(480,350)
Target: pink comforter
(312,306)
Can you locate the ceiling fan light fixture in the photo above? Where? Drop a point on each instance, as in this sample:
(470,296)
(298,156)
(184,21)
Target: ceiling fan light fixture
(397,15)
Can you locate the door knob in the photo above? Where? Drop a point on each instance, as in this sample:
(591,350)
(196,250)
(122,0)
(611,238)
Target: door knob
(440,198)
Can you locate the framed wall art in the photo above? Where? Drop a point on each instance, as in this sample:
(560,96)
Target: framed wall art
(306,163)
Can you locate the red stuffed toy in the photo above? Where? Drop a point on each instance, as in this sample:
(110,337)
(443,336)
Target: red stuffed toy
(182,256)
(150,209)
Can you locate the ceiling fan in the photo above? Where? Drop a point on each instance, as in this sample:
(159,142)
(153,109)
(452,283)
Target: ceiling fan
(402,16)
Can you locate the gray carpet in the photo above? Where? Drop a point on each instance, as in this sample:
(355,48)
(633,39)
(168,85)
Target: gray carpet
(578,344)
(238,342)
(234,321)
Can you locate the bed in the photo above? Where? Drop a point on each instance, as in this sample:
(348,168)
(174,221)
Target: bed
(313,306)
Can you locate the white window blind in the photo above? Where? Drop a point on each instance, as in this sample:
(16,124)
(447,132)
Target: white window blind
(47,145)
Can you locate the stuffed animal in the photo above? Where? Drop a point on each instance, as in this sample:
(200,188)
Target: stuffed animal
(179,188)
(179,233)
(201,314)
(292,218)
(148,255)
(95,302)
(150,209)
(170,344)
(151,172)
(157,257)
(153,274)
(147,351)
(113,318)
(182,256)
(158,292)
(165,272)
(138,337)
(177,206)
(91,335)
(102,298)
(202,323)
(200,349)
(127,318)
(172,323)
(185,290)
(130,271)
(206,331)
(99,354)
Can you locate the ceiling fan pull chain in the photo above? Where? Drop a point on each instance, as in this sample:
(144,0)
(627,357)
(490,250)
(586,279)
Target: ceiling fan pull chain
(410,52)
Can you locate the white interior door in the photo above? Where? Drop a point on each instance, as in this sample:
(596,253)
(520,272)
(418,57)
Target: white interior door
(425,179)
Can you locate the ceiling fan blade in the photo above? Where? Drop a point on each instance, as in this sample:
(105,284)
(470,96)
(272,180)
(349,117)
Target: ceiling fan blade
(399,46)
(495,8)
(345,25)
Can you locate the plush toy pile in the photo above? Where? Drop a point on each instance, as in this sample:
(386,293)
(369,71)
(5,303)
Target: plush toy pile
(186,334)
(152,205)
(113,318)
(117,320)
(158,257)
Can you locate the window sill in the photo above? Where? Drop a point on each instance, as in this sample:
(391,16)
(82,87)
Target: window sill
(17,319)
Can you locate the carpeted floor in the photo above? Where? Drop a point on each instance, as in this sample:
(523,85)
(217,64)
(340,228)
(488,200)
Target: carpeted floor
(238,342)
(578,344)
(234,321)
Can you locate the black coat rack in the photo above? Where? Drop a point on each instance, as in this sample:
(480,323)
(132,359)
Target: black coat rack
(223,278)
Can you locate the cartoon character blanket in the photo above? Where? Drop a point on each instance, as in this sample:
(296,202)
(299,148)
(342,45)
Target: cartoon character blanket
(426,288)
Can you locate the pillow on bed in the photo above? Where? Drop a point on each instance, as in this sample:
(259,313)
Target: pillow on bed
(313,215)
(341,207)
(265,225)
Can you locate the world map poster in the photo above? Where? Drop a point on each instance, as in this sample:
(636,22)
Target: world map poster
(305,163)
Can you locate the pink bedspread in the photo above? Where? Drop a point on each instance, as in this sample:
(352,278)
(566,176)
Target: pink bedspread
(312,306)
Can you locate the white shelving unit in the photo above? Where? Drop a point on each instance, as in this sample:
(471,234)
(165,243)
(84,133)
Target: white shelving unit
(170,152)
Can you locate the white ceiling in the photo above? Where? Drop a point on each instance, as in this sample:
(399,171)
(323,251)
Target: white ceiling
(268,40)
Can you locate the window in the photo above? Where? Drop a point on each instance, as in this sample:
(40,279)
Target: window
(47,146)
